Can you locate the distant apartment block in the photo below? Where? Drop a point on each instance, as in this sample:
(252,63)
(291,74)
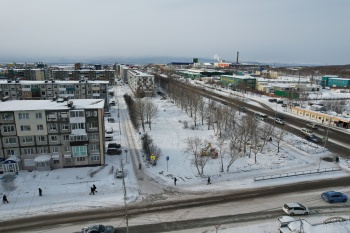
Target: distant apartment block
(141,84)
(48,90)
(82,74)
(45,134)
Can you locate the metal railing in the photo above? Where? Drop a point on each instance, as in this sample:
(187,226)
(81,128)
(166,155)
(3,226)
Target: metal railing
(298,173)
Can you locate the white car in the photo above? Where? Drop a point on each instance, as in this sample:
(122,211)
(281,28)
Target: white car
(279,121)
(307,132)
(295,208)
(119,174)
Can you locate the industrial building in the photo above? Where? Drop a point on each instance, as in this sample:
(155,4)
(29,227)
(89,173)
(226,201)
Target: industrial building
(334,81)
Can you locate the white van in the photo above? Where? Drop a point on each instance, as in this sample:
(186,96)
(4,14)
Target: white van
(108,137)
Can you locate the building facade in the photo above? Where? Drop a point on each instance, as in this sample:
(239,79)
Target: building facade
(48,90)
(141,84)
(44,134)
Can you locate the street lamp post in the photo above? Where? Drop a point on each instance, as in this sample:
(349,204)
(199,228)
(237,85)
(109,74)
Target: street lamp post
(126,156)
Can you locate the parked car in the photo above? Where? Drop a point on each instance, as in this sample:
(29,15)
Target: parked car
(279,121)
(110,119)
(311,125)
(332,196)
(113,145)
(306,131)
(109,137)
(109,130)
(119,174)
(272,100)
(311,138)
(242,109)
(112,103)
(114,151)
(107,114)
(295,208)
(98,229)
(280,102)
(284,105)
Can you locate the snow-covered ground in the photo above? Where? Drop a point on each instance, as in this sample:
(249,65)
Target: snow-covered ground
(68,189)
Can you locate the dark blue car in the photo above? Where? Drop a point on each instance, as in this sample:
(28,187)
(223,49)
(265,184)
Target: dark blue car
(332,196)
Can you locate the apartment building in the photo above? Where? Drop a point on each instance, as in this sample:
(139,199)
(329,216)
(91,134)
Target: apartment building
(48,90)
(141,84)
(84,73)
(46,134)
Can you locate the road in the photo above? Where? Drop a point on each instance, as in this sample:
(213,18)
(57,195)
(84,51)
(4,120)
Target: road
(231,198)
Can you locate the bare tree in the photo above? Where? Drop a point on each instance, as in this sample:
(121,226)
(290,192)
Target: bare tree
(266,132)
(222,150)
(194,147)
(201,109)
(141,113)
(234,146)
(151,111)
(255,144)
(279,135)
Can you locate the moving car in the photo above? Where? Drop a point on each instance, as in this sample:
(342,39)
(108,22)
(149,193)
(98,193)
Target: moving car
(312,125)
(295,208)
(311,138)
(98,229)
(307,132)
(332,196)
(279,121)
(113,145)
(114,151)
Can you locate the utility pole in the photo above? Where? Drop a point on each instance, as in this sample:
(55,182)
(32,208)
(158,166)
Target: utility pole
(125,197)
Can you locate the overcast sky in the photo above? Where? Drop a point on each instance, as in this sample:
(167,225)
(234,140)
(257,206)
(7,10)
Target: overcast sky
(303,31)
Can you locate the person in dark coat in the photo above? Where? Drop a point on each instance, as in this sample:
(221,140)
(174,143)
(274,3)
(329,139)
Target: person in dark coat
(94,187)
(40,192)
(92,191)
(209,180)
(4,199)
(175,180)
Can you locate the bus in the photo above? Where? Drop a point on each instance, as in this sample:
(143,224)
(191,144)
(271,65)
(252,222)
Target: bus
(261,116)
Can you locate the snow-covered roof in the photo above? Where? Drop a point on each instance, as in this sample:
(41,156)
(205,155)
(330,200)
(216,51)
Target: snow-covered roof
(27,105)
(42,158)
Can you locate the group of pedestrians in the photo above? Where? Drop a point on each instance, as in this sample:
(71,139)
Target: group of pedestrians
(93,190)
(175,179)
(4,197)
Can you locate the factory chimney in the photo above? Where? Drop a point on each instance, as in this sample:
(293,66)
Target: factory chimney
(237,57)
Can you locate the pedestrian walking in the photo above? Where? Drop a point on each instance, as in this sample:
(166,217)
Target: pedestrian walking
(4,199)
(40,192)
(92,191)
(175,180)
(209,180)
(94,187)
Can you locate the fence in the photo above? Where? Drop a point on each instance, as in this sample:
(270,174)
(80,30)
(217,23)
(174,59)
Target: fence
(298,173)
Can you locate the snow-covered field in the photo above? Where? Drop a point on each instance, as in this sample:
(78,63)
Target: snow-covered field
(68,189)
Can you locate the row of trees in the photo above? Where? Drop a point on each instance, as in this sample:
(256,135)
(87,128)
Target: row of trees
(141,111)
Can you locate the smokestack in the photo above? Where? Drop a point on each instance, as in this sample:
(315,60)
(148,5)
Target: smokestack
(237,57)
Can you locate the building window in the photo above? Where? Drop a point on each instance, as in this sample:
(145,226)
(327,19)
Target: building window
(91,113)
(65,126)
(79,151)
(66,137)
(41,139)
(7,116)
(10,140)
(80,159)
(66,149)
(9,128)
(28,139)
(54,149)
(95,158)
(77,114)
(92,125)
(93,147)
(78,125)
(38,115)
(25,127)
(28,151)
(64,115)
(56,161)
(11,152)
(23,116)
(93,136)
(68,160)
(54,138)
(53,127)
(40,127)
(43,150)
